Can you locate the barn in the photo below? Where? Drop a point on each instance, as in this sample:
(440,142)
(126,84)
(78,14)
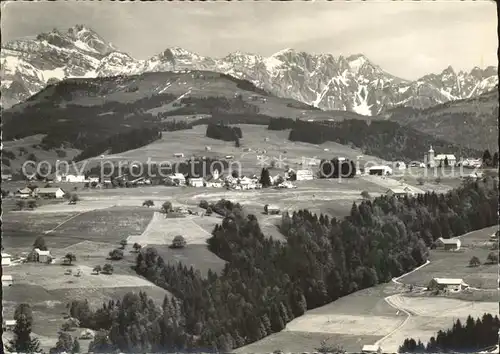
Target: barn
(449,284)
(450,244)
(7,280)
(379,170)
(6,259)
(51,193)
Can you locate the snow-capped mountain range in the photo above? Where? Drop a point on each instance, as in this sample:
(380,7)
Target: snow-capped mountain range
(350,83)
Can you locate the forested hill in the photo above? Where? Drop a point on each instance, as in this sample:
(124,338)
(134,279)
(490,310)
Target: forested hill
(471,337)
(385,139)
(267,283)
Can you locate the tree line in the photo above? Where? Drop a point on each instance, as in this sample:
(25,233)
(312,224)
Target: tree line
(471,337)
(224,132)
(266,283)
(385,139)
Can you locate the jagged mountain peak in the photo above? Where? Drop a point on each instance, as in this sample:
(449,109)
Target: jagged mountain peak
(351,82)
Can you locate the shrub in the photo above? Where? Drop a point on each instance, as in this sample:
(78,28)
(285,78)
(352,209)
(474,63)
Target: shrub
(107,269)
(116,254)
(474,262)
(178,242)
(203,204)
(492,258)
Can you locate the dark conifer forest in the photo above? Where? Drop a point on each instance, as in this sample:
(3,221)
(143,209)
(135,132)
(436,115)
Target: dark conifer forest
(385,139)
(266,283)
(223,132)
(471,337)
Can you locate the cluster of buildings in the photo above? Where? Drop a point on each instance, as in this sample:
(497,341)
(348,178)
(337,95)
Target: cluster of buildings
(47,193)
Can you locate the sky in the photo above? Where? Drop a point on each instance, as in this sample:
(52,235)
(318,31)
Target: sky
(408,39)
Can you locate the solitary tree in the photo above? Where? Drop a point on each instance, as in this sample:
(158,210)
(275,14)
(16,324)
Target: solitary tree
(32,204)
(76,346)
(136,247)
(420,181)
(265,178)
(73,198)
(22,341)
(20,204)
(97,269)
(203,204)
(474,262)
(64,343)
(123,243)
(492,258)
(107,269)
(178,242)
(365,195)
(70,258)
(166,207)
(209,211)
(116,254)
(40,243)
(148,203)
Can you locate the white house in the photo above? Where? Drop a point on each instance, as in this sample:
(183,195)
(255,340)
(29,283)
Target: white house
(442,158)
(42,256)
(7,280)
(196,182)
(179,154)
(400,191)
(371,348)
(6,259)
(447,284)
(379,170)
(24,193)
(73,178)
(176,179)
(8,325)
(51,193)
(304,175)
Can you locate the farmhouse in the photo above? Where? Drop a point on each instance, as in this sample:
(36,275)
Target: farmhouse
(42,256)
(447,284)
(442,158)
(24,193)
(176,179)
(6,176)
(6,259)
(304,175)
(371,348)
(196,182)
(7,280)
(73,178)
(8,325)
(178,154)
(51,193)
(271,209)
(452,244)
(215,180)
(400,192)
(380,170)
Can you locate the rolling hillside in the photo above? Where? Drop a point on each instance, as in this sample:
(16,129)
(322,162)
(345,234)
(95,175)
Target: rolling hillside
(471,122)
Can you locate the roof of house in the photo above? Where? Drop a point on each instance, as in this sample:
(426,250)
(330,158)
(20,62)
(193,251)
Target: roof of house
(178,175)
(49,190)
(6,277)
(370,347)
(449,241)
(449,281)
(400,190)
(196,179)
(273,207)
(5,255)
(42,253)
(10,322)
(381,167)
(25,190)
(443,156)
